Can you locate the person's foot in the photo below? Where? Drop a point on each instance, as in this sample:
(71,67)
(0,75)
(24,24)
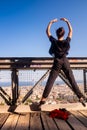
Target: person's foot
(41,103)
(35,107)
(83,101)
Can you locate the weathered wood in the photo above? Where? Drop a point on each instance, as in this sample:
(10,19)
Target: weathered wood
(62,125)
(49,122)
(23,122)
(11,122)
(75,123)
(3,118)
(35,122)
(81,117)
(42,121)
(84,113)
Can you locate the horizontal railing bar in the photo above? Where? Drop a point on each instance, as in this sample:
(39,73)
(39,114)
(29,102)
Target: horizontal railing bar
(38,62)
(27,68)
(39,57)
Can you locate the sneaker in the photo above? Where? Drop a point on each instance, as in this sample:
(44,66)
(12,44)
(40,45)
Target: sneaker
(38,106)
(41,103)
(35,107)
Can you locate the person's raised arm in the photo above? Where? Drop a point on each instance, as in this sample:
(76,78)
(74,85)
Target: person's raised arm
(49,26)
(69,26)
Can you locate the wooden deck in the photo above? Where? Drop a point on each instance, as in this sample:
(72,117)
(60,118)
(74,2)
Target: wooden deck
(41,121)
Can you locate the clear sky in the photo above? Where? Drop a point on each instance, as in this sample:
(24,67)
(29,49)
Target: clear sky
(23,26)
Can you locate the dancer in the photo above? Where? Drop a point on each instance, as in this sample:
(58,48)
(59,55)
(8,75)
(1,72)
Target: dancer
(59,49)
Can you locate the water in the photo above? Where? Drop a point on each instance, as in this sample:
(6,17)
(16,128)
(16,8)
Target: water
(5,84)
(30,83)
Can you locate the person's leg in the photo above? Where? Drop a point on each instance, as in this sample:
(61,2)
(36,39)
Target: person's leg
(69,74)
(52,77)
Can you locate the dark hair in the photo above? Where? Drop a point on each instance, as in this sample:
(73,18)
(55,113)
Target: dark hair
(60,32)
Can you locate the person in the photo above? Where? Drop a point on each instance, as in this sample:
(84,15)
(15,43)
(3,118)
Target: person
(59,49)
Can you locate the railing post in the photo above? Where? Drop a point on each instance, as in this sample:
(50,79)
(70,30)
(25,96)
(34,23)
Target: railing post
(15,89)
(84,80)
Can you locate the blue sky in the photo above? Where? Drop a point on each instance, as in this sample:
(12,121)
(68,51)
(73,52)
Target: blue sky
(23,26)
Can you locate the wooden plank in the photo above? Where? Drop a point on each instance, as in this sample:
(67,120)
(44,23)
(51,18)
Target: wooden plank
(44,121)
(84,112)
(3,118)
(62,125)
(23,122)
(48,122)
(35,122)
(75,123)
(81,117)
(10,122)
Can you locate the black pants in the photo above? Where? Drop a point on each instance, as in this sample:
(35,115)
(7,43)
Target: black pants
(61,64)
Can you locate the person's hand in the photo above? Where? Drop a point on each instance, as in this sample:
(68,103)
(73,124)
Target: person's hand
(64,19)
(69,26)
(54,20)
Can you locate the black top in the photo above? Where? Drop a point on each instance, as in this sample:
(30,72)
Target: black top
(59,48)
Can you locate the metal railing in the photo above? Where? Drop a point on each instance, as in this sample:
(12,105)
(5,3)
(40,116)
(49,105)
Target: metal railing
(14,64)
